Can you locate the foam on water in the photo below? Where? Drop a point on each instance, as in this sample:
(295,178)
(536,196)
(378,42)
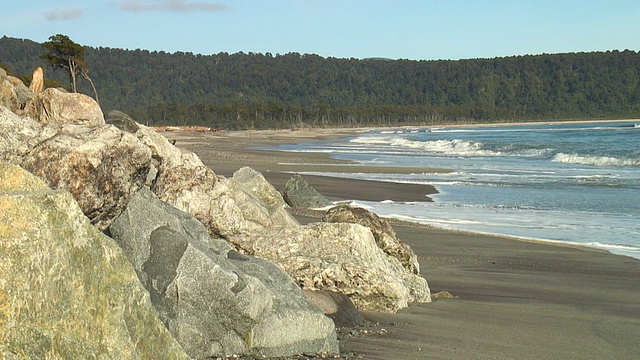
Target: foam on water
(574,183)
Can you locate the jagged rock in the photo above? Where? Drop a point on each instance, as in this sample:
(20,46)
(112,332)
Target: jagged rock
(338,257)
(66,290)
(336,306)
(122,121)
(37,80)
(383,232)
(8,96)
(214,300)
(300,195)
(100,166)
(53,106)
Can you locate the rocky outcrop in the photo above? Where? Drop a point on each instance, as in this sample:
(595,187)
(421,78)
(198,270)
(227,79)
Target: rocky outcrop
(66,290)
(383,232)
(100,166)
(214,300)
(37,80)
(55,107)
(300,195)
(339,257)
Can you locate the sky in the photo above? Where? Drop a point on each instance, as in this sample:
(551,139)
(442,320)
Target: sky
(396,29)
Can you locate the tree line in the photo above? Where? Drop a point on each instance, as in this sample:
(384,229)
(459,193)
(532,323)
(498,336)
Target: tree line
(244,90)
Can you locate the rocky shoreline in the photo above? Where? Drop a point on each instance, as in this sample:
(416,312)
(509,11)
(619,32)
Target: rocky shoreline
(220,262)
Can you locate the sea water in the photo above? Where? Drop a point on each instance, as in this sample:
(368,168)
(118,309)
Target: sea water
(569,182)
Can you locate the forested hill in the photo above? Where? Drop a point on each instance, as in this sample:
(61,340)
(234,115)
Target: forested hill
(263,90)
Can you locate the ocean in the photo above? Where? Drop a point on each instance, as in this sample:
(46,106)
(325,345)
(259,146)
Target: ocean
(575,183)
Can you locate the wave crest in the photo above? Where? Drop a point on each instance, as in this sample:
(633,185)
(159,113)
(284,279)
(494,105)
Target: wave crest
(454,147)
(594,160)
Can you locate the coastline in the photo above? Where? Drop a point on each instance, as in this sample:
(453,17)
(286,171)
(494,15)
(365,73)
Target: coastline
(513,298)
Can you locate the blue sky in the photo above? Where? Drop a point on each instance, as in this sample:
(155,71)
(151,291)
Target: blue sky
(397,29)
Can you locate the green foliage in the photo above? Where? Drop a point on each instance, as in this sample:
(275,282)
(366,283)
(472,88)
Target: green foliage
(63,53)
(245,90)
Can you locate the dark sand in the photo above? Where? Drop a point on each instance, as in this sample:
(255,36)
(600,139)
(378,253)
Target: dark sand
(513,299)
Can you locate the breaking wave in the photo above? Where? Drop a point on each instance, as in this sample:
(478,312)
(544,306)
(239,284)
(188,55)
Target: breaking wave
(454,147)
(594,160)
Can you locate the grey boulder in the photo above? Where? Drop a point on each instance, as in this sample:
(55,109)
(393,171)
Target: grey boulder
(67,291)
(383,232)
(214,300)
(300,195)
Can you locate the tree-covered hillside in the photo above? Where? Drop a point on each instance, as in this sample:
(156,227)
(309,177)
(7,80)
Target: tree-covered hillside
(264,90)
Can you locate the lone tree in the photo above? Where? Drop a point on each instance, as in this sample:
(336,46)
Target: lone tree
(66,54)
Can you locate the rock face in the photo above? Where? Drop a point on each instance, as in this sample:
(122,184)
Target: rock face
(300,195)
(99,165)
(214,300)
(66,290)
(339,257)
(53,106)
(37,80)
(383,232)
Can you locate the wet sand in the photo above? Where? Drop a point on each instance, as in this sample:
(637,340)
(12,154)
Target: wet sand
(513,299)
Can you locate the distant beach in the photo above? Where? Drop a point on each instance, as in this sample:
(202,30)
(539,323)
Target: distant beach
(512,299)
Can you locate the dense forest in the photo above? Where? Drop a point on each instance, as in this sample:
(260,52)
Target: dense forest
(253,90)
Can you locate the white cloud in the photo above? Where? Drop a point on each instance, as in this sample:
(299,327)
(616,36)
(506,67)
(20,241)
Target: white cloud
(63,14)
(169,5)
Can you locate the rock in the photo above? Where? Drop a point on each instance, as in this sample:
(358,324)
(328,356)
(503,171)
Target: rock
(8,96)
(215,300)
(442,295)
(15,81)
(66,290)
(37,80)
(300,195)
(24,95)
(20,135)
(53,106)
(220,204)
(338,257)
(122,121)
(99,165)
(336,306)
(383,232)
(254,183)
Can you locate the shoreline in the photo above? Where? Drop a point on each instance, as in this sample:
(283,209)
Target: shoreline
(511,299)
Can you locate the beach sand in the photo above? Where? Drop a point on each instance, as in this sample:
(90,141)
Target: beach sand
(512,299)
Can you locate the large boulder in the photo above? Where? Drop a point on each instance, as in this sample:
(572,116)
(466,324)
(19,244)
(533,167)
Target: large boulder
(53,106)
(100,166)
(66,290)
(300,195)
(383,232)
(338,257)
(214,300)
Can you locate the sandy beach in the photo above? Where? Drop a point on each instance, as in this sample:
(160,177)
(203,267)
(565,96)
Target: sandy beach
(513,299)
